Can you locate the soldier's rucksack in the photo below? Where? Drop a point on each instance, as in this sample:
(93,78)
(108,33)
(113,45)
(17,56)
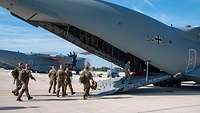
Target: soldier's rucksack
(82,79)
(52,73)
(94,85)
(23,75)
(15,73)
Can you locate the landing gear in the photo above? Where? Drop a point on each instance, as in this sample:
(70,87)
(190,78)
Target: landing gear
(77,72)
(171,83)
(156,84)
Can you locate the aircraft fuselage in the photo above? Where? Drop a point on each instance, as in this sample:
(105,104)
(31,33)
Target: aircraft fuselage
(167,48)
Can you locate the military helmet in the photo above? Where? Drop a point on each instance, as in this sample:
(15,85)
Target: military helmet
(27,66)
(52,67)
(87,65)
(20,64)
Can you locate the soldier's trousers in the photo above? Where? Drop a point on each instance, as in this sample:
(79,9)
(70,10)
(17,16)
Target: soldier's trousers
(52,83)
(24,89)
(86,89)
(18,84)
(60,84)
(70,87)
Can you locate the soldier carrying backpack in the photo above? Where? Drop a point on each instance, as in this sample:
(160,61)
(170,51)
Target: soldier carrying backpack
(17,82)
(86,79)
(24,76)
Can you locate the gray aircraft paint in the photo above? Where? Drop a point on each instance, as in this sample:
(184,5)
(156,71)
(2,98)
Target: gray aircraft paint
(126,29)
(38,62)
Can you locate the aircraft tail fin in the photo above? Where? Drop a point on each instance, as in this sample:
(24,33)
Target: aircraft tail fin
(195,31)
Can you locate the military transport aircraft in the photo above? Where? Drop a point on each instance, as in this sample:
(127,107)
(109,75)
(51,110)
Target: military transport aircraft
(118,34)
(40,62)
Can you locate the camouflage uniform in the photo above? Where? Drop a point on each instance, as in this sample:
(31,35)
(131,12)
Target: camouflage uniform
(60,81)
(68,81)
(52,82)
(85,78)
(17,82)
(24,76)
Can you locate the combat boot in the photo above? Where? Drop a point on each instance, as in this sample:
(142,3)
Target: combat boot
(30,98)
(57,93)
(64,94)
(20,95)
(15,93)
(73,93)
(84,97)
(18,99)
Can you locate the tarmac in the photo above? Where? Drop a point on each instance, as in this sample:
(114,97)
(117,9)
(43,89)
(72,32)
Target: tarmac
(147,99)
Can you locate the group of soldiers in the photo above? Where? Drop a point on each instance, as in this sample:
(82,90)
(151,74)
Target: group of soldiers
(62,78)
(21,75)
(59,79)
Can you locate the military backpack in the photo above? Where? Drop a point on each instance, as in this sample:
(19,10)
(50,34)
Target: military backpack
(15,73)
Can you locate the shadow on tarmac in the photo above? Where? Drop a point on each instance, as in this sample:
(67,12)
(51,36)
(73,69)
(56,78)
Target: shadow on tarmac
(77,94)
(164,91)
(16,107)
(144,91)
(81,98)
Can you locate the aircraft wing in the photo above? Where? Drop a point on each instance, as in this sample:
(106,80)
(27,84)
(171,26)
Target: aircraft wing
(195,31)
(6,65)
(26,13)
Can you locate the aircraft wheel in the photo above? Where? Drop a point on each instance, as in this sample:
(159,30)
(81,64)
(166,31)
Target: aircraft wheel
(171,84)
(178,83)
(174,83)
(156,84)
(77,72)
(162,84)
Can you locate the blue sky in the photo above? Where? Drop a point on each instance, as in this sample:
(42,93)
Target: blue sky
(16,35)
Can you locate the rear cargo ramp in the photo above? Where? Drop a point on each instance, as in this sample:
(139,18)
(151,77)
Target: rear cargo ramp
(123,84)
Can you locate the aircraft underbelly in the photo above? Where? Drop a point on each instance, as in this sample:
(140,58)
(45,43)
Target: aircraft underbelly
(125,31)
(128,30)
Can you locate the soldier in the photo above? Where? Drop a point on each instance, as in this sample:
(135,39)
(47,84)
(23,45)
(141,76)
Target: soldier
(17,82)
(85,78)
(52,82)
(68,80)
(127,69)
(24,76)
(60,80)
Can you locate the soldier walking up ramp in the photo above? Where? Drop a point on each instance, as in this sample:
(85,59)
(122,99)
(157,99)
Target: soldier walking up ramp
(123,84)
